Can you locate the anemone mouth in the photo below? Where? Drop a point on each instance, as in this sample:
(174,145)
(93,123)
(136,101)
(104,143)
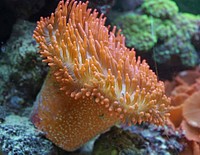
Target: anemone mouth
(89,59)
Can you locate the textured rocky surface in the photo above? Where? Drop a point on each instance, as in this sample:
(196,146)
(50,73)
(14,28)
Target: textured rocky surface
(19,137)
(21,71)
(139,140)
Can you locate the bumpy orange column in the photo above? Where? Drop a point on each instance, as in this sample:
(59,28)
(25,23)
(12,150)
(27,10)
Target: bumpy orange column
(69,123)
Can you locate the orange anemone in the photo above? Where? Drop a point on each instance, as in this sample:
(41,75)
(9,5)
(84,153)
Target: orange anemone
(94,80)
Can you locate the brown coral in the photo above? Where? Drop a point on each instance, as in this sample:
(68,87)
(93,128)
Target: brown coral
(94,80)
(185,111)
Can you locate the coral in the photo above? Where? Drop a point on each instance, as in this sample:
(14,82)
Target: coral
(19,137)
(187,25)
(178,47)
(94,80)
(184,91)
(142,41)
(165,29)
(139,140)
(166,37)
(137,29)
(196,39)
(131,22)
(176,51)
(163,9)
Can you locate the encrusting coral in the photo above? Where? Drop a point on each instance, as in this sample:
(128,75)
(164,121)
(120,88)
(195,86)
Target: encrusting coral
(160,8)
(94,80)
(156,29)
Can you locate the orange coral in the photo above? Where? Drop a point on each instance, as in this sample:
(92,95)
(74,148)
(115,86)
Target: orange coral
(101,81)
